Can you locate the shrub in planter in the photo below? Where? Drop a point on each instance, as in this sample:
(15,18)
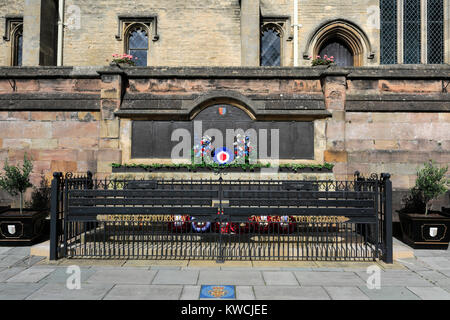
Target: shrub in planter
(421,226)
(22,226)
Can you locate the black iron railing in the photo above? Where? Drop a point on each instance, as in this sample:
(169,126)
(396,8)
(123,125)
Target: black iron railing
(222,219)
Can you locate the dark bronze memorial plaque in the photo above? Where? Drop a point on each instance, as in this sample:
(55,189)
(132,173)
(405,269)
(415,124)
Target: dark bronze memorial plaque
(152,139)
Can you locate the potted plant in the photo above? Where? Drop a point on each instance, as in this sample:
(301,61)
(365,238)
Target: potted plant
(421,226)
(19,226)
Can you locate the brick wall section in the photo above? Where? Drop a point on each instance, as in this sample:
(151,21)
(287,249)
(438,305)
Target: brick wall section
(57,141)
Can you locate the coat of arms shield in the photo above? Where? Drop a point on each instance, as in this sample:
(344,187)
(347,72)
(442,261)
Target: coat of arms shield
(11,229)
(433,231)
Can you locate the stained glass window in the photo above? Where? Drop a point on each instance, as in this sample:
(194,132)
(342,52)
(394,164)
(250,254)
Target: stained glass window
(270,47)
(138,45)
(411,32)
(388,31)
(435,31)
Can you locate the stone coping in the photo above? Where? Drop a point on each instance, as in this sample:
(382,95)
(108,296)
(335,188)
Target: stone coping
(391,71)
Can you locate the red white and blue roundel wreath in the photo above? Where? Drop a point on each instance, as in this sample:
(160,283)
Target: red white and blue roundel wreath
(200,226)
(223,156)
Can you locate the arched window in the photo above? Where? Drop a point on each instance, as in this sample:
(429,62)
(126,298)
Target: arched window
(270,46)
(343,40)
(137,43)
(17,45)
(339,50)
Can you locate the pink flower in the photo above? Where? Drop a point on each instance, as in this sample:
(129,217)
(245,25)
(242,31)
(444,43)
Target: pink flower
(332,57)
(325,56)
(318,57)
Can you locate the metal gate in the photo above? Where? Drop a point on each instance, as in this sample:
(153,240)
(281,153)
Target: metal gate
(221,219)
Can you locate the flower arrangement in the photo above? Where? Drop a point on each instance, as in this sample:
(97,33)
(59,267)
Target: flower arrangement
(204,148)
(242,148)
(319,61)
(124,58)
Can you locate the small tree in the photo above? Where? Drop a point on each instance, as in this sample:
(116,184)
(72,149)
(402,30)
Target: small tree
(15,180)
(430,183)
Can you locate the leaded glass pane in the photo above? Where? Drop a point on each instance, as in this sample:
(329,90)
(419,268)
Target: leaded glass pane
(138,40)
(19,50)
(411,31)
(435,31)
(388,31)
(138,46)
(270,48)
(141,56)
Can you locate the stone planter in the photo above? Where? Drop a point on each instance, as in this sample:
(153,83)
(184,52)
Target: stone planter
(24,229)
(425,232)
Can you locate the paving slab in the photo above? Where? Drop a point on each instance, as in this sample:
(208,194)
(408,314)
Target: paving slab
(280,278)
(398,279)
(4,250)
(327,269)
(389,293)
(156,263)
(433,276)
(17,291)
(28,261)
(346,293)
(59,291)
(7,273)
(436,263)
(190,293)
(92,262)
(213,277)
(431,253)
(445,272)
(10,260)
(285,264)
(415,264)
(391,266)
(290,293)
(144,292)
(122,276)
(41,249)
(31,275)
(20,251)
(176,277)
(344,265)
(331,278)
(245,293)
(214,264)
(430,293)
(60,275)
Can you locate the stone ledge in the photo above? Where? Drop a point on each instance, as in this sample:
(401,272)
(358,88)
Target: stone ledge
(381,72)
(398,102)
(50,72)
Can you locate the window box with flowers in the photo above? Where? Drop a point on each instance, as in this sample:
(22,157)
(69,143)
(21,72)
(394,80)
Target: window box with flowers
(123,60)
(319,61)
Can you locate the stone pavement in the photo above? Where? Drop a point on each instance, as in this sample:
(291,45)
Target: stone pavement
(426,276)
